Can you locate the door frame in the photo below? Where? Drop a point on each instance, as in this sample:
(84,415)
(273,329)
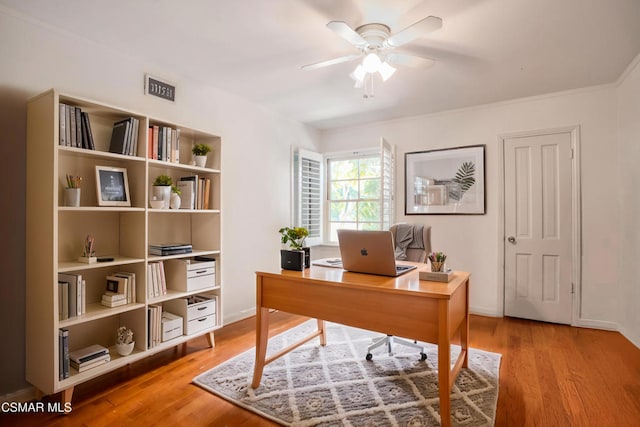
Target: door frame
(576,215)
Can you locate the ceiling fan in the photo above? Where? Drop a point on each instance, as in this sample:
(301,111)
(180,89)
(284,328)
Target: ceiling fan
(376,45)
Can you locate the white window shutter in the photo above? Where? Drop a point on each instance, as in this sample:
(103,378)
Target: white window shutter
(307,198)
(387,163)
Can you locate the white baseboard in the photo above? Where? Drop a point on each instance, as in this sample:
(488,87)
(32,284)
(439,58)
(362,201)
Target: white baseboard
(24,395)
(484,311)
(625,333)
(597,324)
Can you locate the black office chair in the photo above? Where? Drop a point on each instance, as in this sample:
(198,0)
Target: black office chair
(412,243)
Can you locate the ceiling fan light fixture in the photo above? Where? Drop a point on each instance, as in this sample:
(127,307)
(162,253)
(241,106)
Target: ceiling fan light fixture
(371,63)
(386,71)
(358,74)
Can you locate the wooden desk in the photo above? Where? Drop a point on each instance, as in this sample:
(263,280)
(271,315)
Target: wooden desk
(403,306)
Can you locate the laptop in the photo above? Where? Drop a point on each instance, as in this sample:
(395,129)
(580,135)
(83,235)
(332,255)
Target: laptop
(369,252)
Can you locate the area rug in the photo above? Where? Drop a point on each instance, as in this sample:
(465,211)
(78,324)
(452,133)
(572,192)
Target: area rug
(335,386)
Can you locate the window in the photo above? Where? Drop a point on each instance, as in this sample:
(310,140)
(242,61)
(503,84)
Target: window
(360,191)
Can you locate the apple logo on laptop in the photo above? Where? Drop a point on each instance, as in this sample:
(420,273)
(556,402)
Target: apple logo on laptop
(364,252)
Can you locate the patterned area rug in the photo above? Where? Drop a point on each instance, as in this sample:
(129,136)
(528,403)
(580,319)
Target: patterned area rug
(334,385)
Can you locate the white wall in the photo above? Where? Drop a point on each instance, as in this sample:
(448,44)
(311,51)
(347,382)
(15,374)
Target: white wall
(629,201)
(471,242)
(256,164)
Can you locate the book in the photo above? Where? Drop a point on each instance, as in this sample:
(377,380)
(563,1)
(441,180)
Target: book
(63,365)
(88,353)
(133,150)
(67,129)
(190,197)
(86,132)
(119,136)
(62,119)
(78,128)
(63,300)
(74,294)
(131,284)
(112,304)
(81,367)
(111,297)
(207,195)
(72,126)
(170,249)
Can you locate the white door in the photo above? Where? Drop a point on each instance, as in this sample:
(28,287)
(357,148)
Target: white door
(538,226)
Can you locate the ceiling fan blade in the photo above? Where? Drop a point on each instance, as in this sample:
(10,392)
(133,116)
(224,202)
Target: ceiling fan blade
(347,33)
(404,59)
(333,61)
(412,32)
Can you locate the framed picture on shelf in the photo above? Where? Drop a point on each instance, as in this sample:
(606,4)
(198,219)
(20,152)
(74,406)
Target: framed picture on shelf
(112,186)
(445,181)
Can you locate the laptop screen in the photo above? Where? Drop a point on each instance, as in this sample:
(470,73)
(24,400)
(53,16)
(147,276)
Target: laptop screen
(368,252)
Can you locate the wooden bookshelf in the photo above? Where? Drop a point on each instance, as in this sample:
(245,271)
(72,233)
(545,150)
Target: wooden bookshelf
(55,236)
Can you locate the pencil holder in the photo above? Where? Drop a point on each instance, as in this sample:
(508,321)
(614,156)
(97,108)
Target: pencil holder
(436,265)
(72,197)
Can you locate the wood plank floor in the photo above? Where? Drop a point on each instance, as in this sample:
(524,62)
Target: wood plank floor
(550,375)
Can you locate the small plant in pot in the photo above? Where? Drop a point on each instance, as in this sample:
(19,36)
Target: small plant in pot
(294,237)
(124,341)
(200,152)
(175,197)
(161,192)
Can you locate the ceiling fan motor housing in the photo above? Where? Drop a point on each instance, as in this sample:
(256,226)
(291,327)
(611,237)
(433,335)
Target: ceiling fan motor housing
(374,34)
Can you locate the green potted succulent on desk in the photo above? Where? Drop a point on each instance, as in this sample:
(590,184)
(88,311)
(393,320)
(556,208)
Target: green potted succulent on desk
(200,152)
(161,192)
(297,257)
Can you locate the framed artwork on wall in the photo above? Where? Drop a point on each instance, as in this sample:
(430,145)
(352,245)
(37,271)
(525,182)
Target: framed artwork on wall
(445,181)
(112,186)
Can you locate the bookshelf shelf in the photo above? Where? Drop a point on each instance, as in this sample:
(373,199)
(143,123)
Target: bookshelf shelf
(56,234)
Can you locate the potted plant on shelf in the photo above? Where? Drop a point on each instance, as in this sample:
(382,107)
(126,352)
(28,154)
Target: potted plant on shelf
(124,341)
(175,197)
(297,257)
(200,152)
(161,192)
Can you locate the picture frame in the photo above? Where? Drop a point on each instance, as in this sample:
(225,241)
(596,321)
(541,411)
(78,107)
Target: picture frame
(112,186)
(449,181)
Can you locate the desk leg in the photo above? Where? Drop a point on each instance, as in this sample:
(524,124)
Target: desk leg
(464,329)
(444,363)
(323,332)
(262,336)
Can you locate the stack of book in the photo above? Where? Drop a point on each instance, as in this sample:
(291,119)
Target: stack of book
(120,290)
(195,192)
(163,249)
(154,314)
(156,281)
(89,357)
(164,144)
(124,137)
(71,295)
(74,128)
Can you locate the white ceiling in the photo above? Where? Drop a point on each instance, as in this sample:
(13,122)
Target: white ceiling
(486,51)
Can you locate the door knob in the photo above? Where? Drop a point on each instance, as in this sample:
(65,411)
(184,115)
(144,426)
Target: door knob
(511,239)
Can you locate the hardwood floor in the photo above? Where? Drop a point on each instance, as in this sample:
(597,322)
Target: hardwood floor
(550,375)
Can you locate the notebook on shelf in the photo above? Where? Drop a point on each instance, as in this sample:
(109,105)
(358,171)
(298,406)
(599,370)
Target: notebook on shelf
(369,252)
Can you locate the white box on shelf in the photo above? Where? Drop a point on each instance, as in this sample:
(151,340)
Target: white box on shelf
(171,326)
(193,310)
(188,275)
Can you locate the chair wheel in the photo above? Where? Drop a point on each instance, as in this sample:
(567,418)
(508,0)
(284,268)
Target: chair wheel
(369,356)
(423,356)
